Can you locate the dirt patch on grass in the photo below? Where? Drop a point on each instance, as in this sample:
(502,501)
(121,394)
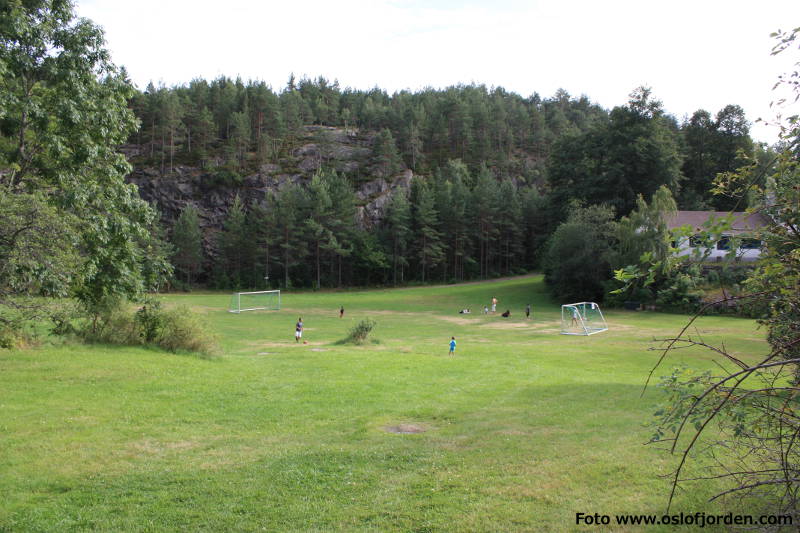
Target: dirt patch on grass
(507,325)
(262,344)
(456,320)
(405,429)
(392,313)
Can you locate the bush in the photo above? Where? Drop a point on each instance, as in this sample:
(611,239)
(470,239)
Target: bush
(111,323)
(181,329)
(150,320)
(359,333)
(174,330)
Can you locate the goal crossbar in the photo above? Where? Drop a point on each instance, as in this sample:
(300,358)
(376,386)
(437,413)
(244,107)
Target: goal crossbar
(255,301)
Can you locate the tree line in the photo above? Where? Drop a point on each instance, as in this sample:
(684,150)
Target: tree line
(460,220)
(239,125)
(453,226)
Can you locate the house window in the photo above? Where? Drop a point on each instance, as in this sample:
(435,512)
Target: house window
(750,244)
(696,241)
(724,243)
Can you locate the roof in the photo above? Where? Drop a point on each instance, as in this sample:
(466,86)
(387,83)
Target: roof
(743,222)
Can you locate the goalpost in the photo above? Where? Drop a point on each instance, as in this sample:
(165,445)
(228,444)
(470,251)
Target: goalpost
(582,318)
(254,301)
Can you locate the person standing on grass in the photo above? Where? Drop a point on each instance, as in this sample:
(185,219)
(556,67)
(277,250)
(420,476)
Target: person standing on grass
(528,311)
(298,330)
(494,304)
(341,311)
(452,345)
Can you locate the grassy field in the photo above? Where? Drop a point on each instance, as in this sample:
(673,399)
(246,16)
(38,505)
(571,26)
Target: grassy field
(519,431)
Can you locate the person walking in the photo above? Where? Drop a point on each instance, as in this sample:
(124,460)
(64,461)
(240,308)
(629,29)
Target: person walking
(452,345)
(341,311)
(528,311)
(298,330)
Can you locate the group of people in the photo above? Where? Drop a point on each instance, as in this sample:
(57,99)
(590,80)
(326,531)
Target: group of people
(505,314)
(298,327)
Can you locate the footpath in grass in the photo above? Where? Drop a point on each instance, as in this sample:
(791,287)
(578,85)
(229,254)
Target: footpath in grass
(518,431)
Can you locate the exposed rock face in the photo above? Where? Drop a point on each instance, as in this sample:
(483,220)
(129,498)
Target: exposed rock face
(344,150)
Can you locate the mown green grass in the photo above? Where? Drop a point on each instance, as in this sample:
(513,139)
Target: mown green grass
(523,427)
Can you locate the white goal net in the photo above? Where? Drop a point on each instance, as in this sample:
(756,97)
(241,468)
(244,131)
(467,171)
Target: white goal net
(582,318)
(254,301)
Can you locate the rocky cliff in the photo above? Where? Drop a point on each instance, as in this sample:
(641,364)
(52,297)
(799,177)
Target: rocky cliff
(346,151)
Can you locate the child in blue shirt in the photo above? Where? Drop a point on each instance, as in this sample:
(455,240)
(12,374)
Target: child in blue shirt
(452,345)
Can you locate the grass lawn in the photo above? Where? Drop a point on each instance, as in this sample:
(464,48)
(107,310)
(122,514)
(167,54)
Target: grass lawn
(521,429)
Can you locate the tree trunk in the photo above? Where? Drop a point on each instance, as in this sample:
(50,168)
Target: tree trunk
(286,258)
(318,276)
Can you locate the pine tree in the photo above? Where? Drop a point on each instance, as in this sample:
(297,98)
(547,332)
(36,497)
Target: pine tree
(343,220)
(398,221)
(240,137)
(205,134)
(483,208)
(234,246)
(385,158)
(509,225)
(291,208)
(426,220)
(187,240)
(319,220)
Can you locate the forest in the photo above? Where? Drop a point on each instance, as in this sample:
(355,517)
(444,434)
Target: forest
(495,173)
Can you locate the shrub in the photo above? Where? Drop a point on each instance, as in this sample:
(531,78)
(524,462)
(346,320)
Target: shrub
(112,323)
(150,320)
(177,329)
(181,329)
(359,333)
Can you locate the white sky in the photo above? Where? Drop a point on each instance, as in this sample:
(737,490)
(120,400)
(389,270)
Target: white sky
(694,54)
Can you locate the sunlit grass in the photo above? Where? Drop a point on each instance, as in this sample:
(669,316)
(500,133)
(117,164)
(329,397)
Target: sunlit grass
(519,431)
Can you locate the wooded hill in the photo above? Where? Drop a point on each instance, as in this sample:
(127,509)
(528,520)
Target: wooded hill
(494,174)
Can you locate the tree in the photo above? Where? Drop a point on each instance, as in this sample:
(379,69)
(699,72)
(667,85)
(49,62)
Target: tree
(291,204)
(319,220)
(509,226)
(577,264)
(240,138)
(753,399)
(187,240)
(713,146)
(426,219)
(483,208)
(634,153)
(343,223)
(38,257)
(63,110)
(234,246)
(384,154)
(398,222)
(205,134)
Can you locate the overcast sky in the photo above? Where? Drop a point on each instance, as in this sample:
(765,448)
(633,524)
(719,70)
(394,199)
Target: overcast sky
(694,54)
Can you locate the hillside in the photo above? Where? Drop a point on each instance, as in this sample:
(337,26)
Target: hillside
(213,190)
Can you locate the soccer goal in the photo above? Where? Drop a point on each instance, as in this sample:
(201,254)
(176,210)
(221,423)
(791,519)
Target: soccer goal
(583,318)
(254,301)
